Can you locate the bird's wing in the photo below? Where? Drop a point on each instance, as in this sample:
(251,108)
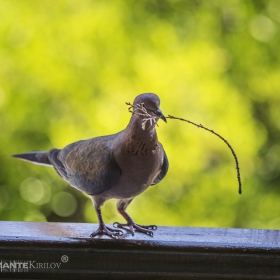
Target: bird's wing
(164,168)
(87,165)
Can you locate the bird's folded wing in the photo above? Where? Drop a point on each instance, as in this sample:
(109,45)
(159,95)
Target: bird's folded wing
(164,168)
(88,165)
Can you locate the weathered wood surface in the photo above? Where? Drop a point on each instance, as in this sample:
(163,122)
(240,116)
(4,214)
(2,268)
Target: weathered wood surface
(173,253)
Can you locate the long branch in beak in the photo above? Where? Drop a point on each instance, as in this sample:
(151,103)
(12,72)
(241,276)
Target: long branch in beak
(160,115)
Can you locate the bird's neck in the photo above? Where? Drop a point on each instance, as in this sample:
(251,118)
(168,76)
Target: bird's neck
(141,137)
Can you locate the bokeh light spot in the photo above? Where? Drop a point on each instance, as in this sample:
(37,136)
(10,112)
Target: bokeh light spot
(32,190)
(262,28)
(35,216)
(64,204)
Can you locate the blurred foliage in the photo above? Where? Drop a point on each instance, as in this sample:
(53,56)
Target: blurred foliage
(67,68)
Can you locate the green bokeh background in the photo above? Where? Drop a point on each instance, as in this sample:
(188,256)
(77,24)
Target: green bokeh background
(67,68)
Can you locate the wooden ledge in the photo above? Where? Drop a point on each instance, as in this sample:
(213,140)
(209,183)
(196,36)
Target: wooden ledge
(60,250)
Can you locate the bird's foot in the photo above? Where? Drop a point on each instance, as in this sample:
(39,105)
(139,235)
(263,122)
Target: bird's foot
(132,227)
(104,230)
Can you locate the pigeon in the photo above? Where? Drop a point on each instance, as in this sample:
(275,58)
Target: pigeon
(119,166)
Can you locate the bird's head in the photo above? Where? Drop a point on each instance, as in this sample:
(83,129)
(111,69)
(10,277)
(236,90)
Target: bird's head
(150,107)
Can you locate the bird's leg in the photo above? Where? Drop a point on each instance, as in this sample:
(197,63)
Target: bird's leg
(103,229)
(121,206)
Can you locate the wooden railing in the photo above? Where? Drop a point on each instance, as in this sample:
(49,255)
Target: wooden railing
(65,251)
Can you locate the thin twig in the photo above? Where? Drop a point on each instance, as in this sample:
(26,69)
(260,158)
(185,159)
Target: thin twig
(232,151)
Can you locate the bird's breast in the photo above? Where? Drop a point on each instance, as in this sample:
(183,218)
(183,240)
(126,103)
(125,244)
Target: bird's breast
(140,147)
(140,165)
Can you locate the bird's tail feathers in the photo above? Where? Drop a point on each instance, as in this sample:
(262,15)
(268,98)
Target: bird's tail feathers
(40,158)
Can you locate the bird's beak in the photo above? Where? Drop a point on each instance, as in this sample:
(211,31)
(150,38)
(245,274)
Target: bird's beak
(161,115)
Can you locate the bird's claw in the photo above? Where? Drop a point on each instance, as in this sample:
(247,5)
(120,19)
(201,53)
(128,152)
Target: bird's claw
(134,227)
(151,227)
(104,230)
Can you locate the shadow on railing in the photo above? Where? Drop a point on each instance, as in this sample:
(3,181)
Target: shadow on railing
(65,251)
